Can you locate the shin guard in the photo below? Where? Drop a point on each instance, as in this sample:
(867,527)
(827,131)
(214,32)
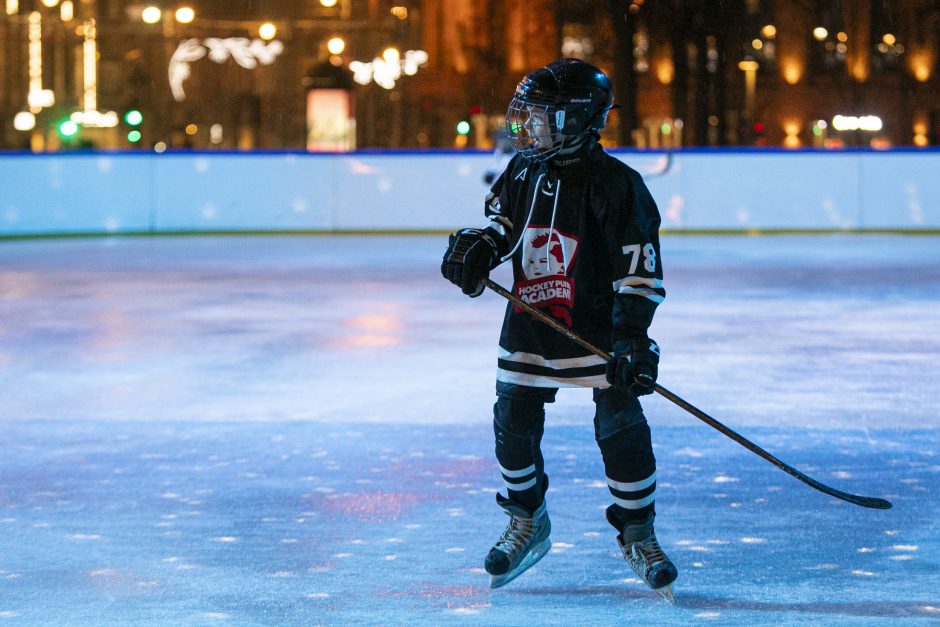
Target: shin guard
(518,425)
(631,472)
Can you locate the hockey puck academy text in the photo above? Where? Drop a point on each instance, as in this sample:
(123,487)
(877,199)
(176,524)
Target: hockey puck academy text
(549,291)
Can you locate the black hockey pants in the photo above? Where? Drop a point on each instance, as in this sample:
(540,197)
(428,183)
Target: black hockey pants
(620,430)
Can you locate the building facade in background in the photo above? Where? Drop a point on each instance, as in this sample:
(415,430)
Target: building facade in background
(344,74)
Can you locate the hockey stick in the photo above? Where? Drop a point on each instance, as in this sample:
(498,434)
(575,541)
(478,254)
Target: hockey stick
(864,501)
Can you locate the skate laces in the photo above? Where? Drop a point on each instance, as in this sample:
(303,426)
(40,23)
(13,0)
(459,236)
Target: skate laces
(517,534)
(648,550)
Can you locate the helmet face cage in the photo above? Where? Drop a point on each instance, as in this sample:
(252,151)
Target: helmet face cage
(534,130)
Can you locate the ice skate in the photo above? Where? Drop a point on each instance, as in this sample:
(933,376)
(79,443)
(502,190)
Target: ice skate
(642,551)
(524,542)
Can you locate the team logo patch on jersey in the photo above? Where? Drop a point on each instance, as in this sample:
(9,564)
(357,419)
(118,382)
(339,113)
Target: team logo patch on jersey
(546,262)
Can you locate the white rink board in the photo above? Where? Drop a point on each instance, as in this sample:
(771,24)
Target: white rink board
(770,191)
(696,190)
(74,193)
(231,192)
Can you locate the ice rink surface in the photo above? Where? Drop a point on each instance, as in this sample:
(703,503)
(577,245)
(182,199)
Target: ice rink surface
(296,431)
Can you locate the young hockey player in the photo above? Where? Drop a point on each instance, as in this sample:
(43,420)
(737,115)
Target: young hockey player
(581,230)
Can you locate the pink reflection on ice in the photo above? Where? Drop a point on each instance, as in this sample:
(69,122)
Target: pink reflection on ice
(463,468)
(372,506)
(374,330)
(455,596)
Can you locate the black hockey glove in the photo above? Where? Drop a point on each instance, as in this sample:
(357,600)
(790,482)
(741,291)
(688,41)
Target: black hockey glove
(635,365)
(470,256)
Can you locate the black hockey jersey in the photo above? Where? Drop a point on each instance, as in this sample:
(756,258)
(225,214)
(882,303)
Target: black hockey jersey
(583,237)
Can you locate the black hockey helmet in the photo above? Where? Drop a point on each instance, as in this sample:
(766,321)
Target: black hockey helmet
(557,107)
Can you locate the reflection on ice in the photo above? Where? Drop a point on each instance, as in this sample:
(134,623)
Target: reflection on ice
(340,455)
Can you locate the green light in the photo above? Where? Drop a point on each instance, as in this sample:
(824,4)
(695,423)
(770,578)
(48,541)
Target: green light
(133,117)
(463,127)
(68,128)
(133,136)
(665,128)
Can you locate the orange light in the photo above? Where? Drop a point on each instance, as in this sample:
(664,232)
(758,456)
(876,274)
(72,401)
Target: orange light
(336,45)
(792,69)
(267,31)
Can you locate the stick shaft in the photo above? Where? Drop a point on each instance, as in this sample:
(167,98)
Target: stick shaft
(864,501)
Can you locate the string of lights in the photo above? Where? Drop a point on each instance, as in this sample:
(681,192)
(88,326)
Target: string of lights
(340,75)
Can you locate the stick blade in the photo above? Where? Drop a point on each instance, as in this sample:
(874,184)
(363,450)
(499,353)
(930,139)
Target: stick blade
(868,501)
(871,502)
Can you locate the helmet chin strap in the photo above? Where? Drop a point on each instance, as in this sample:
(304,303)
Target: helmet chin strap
(576,144)
(572,147)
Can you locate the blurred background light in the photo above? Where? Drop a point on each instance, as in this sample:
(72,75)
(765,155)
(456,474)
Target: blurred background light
(792,69)
(267,31)
(792,62)
(391,55)
(151,15)
(24,121)
(856,123)
(68,128)
(185,15)
(336,45)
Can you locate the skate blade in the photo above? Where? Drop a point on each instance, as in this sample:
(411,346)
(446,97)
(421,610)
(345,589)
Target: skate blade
(667,593)
(537,553)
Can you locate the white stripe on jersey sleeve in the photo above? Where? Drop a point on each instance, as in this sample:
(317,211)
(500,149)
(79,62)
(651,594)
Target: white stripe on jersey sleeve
(634,280)
(492,207)
(641,291)
(639,286)
(498,226)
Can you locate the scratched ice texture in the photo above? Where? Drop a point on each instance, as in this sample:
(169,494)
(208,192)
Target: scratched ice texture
(296,431)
